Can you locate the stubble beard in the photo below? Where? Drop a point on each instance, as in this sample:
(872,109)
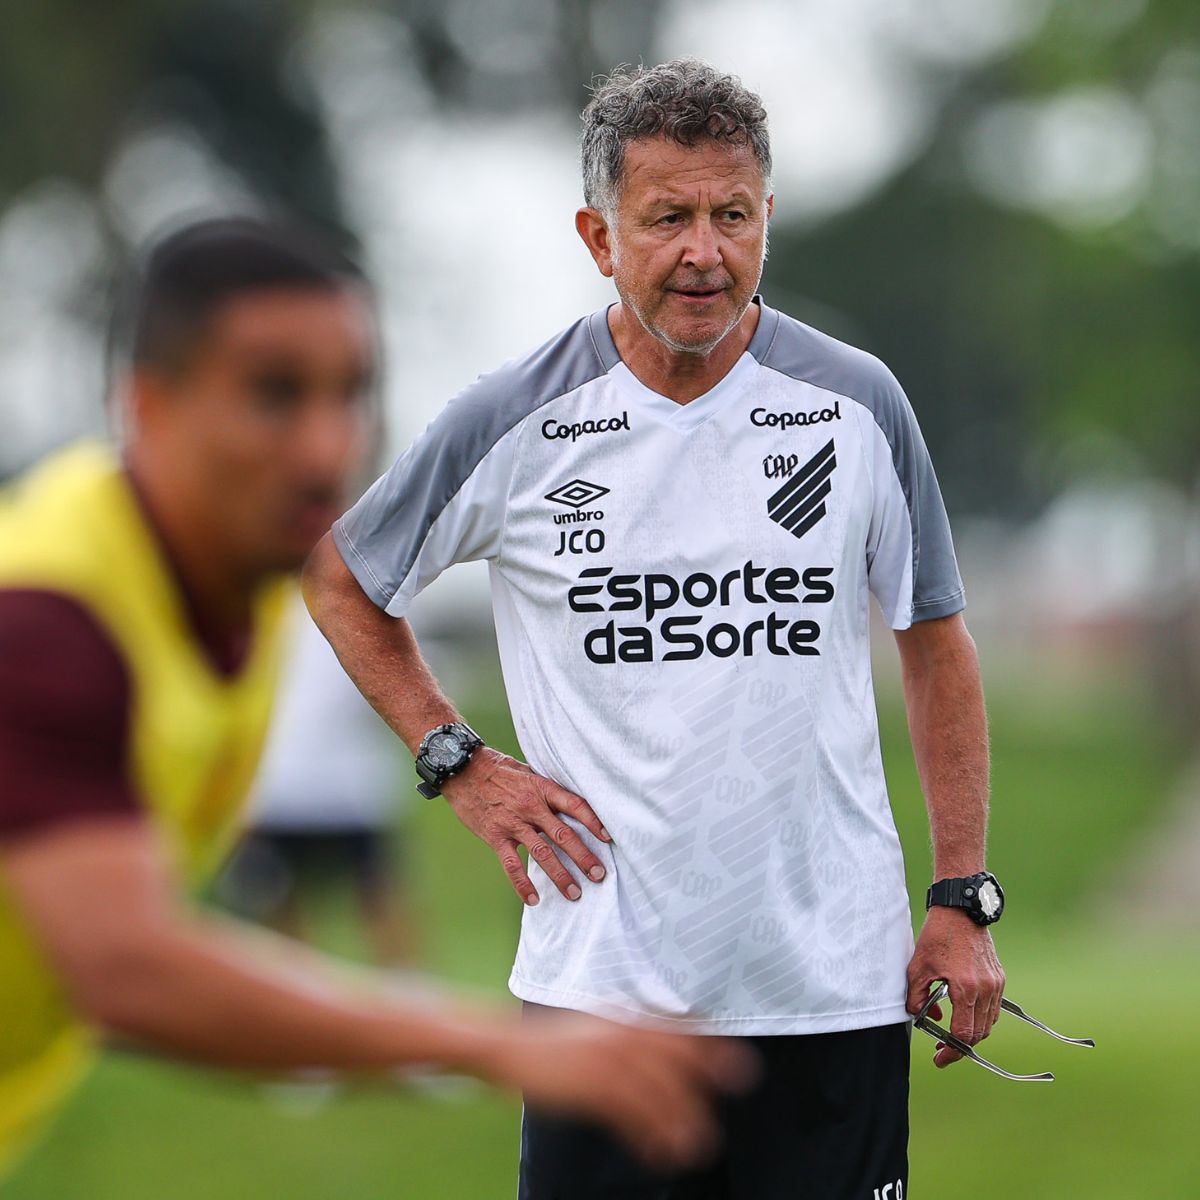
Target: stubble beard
(701,348)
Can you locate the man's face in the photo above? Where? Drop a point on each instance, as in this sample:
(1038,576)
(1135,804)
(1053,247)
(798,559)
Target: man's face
(688,239)
(267,423)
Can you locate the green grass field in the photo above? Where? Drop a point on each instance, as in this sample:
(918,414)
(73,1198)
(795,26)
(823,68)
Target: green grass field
(1072,786)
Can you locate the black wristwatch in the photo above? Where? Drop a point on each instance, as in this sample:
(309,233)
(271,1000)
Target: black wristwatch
(980,896)
(445,750)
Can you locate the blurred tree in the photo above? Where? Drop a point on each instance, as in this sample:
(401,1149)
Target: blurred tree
(508,54)
(81,75)
(1017,308)
(1018,313)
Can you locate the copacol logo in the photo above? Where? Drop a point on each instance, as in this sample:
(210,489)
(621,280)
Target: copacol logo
(555,430)
(892,1191)
(795,420)
(800,503)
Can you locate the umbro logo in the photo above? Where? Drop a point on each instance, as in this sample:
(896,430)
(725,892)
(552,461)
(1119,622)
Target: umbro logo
(800,503)
(577,493)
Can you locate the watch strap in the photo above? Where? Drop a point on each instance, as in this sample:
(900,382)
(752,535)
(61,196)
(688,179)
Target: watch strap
(946,893)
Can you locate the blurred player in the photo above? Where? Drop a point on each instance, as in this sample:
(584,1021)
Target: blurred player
(140,605)
(326,803)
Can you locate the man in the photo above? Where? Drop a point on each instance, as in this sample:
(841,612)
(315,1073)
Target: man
(685,502)
(139,618)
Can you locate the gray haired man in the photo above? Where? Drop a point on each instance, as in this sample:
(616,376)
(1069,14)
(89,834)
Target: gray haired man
(686,501)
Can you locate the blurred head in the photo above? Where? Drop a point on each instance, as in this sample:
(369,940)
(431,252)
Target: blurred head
(677,179)
(251,355)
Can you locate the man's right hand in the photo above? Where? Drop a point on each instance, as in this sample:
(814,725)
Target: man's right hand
(655,1090)
(507,804)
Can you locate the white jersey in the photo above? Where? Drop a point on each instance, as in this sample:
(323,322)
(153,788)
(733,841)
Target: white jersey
(681,604)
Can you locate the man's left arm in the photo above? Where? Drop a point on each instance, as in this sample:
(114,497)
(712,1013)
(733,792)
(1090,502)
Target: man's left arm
(943,694)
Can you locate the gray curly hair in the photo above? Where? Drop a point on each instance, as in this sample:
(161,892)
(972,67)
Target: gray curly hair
(685,99)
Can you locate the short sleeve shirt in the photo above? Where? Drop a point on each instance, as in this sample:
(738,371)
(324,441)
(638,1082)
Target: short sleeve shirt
(681,595)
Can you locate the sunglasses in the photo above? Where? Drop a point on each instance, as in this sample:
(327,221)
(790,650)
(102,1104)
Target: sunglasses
(925,1024)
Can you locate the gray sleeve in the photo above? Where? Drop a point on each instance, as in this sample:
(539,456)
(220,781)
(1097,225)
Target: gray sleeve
(910,554)
(912,567)
(441,502)
(445,499)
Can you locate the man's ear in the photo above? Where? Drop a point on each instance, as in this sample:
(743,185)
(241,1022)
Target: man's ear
(770,205)
(593,229)
(143,399)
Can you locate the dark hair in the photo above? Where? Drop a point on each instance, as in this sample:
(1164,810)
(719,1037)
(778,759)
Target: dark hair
(685,99)
(191,273)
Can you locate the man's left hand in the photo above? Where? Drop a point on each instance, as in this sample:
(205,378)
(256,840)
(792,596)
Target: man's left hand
(953,948)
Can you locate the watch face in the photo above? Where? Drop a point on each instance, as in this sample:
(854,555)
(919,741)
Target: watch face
(445,751)
(989,899)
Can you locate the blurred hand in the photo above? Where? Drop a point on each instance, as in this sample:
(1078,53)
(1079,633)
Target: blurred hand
(507,804)
(654,1090)
(953,948)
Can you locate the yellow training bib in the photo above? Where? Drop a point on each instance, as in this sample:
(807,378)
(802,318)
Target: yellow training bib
(73,526)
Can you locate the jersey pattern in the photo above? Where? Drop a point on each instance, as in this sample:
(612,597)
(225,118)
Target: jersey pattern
(681,599)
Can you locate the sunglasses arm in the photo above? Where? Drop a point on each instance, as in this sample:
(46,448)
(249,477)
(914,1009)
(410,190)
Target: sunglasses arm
(1011,1006)
(925,1025)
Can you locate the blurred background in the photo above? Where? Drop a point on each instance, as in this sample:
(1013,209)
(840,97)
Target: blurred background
(1000,198)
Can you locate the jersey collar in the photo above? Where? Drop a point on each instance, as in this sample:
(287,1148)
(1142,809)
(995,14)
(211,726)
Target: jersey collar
(684,417)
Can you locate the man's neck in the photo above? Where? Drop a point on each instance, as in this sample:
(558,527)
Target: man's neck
(679,375)
(218,596)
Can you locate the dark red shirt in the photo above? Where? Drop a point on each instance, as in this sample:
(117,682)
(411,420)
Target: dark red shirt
(64,714)
(65,698)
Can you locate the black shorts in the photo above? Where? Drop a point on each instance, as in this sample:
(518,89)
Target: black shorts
(827,1121)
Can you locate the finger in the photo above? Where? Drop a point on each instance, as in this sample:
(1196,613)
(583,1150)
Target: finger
(632,1107)
(564,838)
(918,992)
(962,1019)
(718,1063)
(510,860)
(561,800)
(945,1055)
(935,1011)
(996,996)
(543,854)
(670,1110)
(731,1065)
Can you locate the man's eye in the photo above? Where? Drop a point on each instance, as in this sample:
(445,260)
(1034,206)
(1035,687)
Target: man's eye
(355,390)
(732,214)
(671,219)
(278,392)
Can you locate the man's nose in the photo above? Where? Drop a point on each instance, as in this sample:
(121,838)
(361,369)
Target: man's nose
(330,442)
(702,250)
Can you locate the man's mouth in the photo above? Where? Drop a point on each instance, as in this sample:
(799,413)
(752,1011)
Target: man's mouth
(698,293)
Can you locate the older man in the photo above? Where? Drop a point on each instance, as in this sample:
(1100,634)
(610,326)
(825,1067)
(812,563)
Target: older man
(685,501)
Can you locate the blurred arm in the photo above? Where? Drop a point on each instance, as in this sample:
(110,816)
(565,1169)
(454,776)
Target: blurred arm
(98,895)
(502,801)
(943,694)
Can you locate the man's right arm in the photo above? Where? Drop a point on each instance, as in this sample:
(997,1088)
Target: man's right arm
(501,800)
(98,895)
(85,867)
